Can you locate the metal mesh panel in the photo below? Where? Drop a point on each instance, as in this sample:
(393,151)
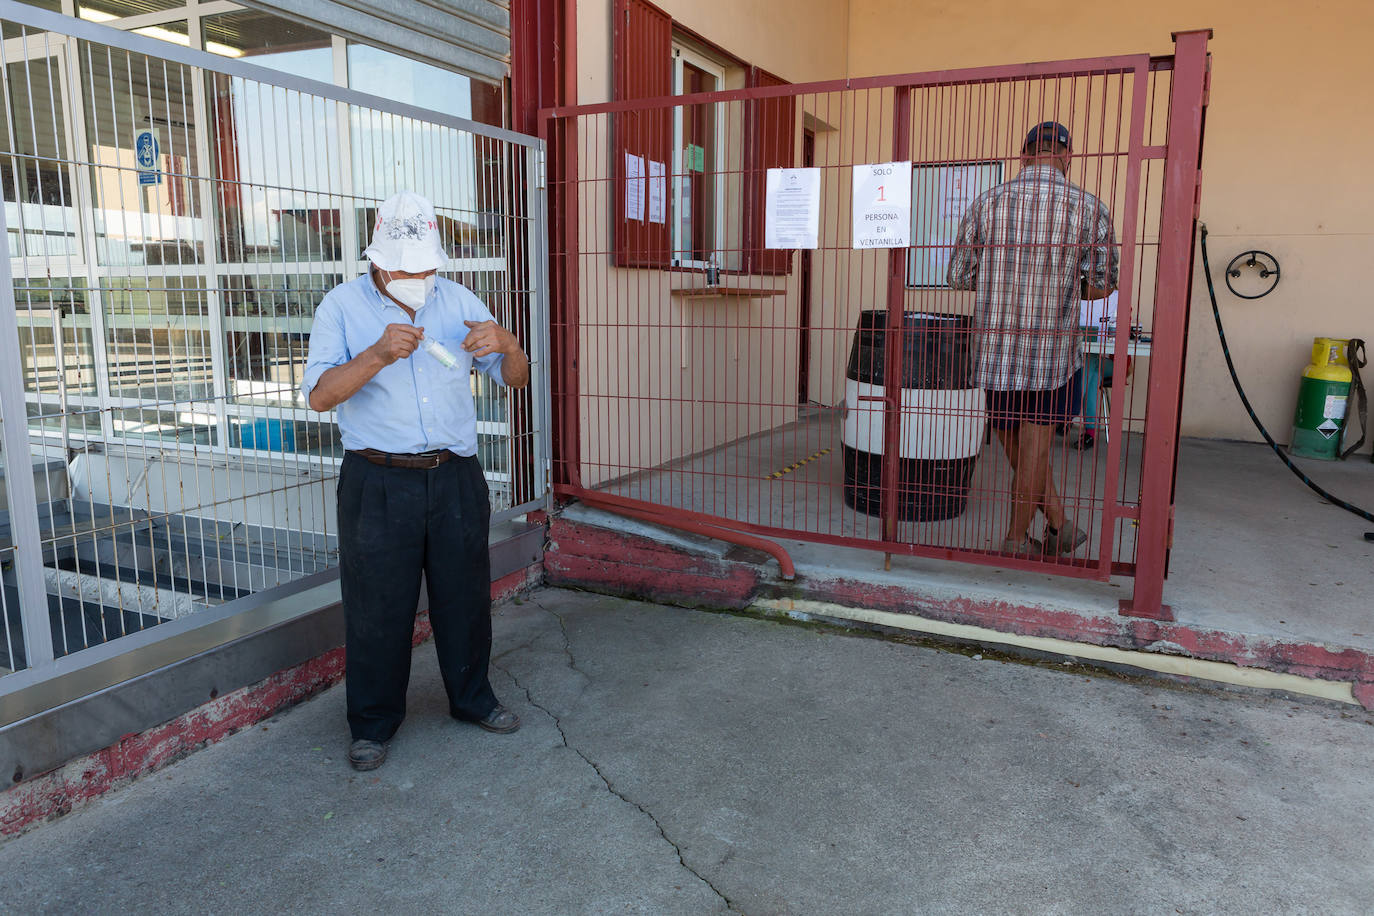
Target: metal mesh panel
(171,230)
(709,389)
(12,653)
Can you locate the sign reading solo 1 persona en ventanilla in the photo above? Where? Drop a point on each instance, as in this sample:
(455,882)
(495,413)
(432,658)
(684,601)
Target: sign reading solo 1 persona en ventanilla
(882,205)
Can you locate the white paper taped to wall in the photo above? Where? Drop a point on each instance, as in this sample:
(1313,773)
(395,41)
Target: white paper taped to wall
(658,192)
(634,187)
(792,211)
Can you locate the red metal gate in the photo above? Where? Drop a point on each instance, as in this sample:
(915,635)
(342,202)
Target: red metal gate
(677,328)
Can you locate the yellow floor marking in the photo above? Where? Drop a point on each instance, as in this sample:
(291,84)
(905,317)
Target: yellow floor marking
(792,467)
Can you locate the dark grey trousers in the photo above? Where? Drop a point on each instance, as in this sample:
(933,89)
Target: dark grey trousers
(395,523)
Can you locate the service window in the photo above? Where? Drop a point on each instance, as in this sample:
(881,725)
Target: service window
(698,194)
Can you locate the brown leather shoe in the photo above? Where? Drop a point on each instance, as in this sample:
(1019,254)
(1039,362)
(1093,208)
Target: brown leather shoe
(365,754)
(500,720)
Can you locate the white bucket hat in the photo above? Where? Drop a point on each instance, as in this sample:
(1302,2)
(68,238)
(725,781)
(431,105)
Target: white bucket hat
(406,235)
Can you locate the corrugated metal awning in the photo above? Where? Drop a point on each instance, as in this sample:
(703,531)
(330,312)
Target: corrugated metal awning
(472,36)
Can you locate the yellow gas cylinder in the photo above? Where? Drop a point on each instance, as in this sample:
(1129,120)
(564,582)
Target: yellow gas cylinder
(1322,394)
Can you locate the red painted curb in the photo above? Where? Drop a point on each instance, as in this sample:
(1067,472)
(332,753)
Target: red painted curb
(599,559)
(1364,695)
(58,792)
(637,567)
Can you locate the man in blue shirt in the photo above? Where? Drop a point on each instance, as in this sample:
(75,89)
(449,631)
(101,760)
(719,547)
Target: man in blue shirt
(392,352)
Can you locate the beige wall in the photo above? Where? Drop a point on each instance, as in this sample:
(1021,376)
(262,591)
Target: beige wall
(798,40)
(702,371)
(1285,164)
(1286,141)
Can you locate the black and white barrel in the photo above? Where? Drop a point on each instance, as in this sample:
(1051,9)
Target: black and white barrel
(943,416)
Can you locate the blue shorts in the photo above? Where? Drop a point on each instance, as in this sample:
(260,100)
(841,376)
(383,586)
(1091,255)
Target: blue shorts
(1009,409)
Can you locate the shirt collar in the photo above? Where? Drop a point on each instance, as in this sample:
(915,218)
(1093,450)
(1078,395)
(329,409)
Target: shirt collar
(1041,172)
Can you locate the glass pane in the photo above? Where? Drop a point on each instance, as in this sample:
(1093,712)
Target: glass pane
(695,196)
(108,10)
(279,194)
(282,434)
(267,334)
(80,418)
(188,425)
(489,399)
(51,310)
(11,30)
(178,33)
(270,41)
(36,179)
(392,153)
(147,215)
(402,80)
(158,337)
(494,454)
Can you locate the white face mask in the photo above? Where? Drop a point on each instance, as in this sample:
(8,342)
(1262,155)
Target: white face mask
(411,291)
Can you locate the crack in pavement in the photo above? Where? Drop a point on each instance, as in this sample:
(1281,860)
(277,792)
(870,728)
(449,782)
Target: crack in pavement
(513,650)
(596,768)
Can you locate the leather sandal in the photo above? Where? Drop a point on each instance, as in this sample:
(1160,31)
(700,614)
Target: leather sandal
(500,720)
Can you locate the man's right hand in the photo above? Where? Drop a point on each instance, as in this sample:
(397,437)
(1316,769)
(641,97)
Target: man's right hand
(398,341)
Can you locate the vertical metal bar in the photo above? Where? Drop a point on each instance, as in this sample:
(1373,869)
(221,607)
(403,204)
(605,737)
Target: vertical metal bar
(1178,218)
(540,410)
(569,434)
(23,496)
(214,301)
(896,330)
(1125,298)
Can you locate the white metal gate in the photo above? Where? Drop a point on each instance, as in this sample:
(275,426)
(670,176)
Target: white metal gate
(171,220)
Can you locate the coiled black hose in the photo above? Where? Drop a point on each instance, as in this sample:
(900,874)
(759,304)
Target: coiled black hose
(1235,379)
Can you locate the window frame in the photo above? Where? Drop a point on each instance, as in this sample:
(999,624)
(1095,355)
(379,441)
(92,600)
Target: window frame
(649,50)
(684,54)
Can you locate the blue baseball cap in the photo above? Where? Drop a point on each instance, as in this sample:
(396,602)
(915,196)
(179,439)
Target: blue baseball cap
(1049,130)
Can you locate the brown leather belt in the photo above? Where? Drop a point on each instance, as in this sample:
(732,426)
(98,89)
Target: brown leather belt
(422,461)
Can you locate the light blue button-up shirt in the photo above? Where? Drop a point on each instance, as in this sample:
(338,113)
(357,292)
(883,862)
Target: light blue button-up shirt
(414,404)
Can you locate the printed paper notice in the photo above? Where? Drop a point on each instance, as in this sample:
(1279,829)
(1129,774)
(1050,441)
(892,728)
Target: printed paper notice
(882,205)
(658,191)
(634,187)
(1093,313)
(940,196)
(792,210)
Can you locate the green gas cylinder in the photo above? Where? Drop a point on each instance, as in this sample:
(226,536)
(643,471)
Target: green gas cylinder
(1320,416)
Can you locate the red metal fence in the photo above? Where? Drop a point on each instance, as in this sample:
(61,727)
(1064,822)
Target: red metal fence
(706,377)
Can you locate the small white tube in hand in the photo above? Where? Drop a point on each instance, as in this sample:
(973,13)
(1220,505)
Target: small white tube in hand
(439,352)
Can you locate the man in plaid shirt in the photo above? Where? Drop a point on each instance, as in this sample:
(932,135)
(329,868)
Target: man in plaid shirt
(1031,248)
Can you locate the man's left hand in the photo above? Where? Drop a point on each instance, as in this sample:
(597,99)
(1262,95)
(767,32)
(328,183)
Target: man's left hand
(487,337)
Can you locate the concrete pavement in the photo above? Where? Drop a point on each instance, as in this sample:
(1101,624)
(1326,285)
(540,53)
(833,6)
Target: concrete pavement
(675,761)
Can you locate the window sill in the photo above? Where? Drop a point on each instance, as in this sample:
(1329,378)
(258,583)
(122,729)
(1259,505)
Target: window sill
(726,292)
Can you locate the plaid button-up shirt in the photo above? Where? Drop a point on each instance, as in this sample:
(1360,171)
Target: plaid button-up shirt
(1024,246)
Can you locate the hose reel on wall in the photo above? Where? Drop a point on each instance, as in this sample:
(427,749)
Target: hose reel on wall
(1352,357)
